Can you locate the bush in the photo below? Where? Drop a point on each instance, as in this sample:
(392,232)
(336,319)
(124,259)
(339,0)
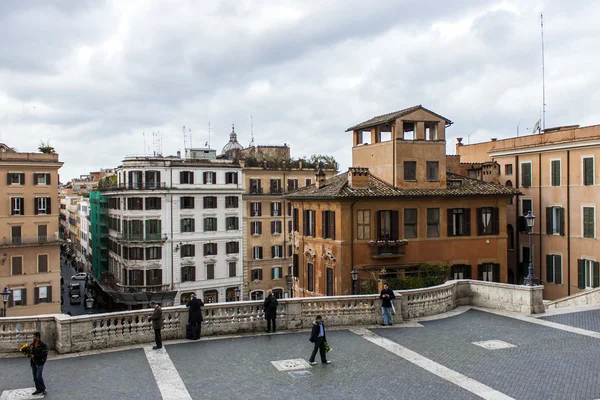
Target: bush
(428,275)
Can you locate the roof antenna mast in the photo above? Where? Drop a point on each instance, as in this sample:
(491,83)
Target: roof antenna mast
(543,78)
(209,134)
(251,133)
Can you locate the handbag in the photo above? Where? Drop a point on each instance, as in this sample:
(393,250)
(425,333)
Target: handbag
(393,308)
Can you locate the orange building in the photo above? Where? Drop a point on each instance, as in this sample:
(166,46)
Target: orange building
(397,208)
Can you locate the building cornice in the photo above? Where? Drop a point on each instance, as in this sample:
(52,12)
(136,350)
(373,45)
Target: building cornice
(546,148)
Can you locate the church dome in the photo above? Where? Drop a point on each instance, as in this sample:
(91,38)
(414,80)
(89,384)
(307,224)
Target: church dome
(233,146)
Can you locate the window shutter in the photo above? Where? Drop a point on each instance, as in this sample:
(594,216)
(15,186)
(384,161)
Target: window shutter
(260,254)
(272,208)
(304,223)
(259,209)
(596,272)
(47,179)
(526,175)
(191,177)
(450,222)
(204,177)
(272,227)
(252,228)
(35,179)
(467,272)
(214,177)
(549,220)
(496,272)
(49,291)
(8,181)
(22,179)
(589,171)
(181,175)
(35,206)
(36,296)
(581,274)
(495,221)
(558,270)
(522,224)
(378,224)
(479,223)
(549,269)
(48,206)
(272,273)
(395,221)
(332,225)
(10,300)
(324,224)
(480,272)
(259,228)
(467,213)
(561,213)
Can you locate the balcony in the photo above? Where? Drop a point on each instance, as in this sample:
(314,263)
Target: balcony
(139,289)
(256,190)
(134,186)
(276,190)
(388,248)
(41,240)
(140,237)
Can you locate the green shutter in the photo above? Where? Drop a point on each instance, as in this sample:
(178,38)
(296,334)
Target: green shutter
(558,270)
(526,175)
(549,269)
(588,167)
(581,274)
(596,272)
(549,221)
(561,213)
(556,173)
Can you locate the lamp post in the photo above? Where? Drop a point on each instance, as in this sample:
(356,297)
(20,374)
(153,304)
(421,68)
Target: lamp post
(354,274)
(5,296)
(289,279)
(89,303)
(236,293)
(530,280)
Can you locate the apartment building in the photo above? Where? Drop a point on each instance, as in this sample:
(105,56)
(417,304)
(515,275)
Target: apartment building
(395,209)
(30,245)
(558,180)
(173,229)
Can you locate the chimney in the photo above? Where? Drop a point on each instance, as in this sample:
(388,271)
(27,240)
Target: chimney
(494,139)
(319,178)
(358,178)
(178,154)
(459,141)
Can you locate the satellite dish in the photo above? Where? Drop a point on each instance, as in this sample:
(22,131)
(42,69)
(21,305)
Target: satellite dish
(536,127)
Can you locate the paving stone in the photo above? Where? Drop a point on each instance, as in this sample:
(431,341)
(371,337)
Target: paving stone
(589,320)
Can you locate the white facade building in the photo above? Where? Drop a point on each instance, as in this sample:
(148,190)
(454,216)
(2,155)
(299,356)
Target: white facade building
(84,230)
(175,225)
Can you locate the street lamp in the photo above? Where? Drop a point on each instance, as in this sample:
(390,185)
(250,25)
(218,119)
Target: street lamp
(5,295)
(289,279)
(354,274)
(530,280)
(89,303)
(236,293)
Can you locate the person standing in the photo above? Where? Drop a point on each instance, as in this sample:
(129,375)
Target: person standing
(195,316)
(157,324)
(270,310)
(38,356)
(386,296)
(317,336)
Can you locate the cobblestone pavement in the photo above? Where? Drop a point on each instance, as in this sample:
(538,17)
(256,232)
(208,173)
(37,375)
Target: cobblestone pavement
(589,320)
(545,364)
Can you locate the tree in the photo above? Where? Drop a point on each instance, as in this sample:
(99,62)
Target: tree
(46,148)
(323,160)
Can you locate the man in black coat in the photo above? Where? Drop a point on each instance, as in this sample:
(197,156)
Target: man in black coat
(270,309)
(195,316)
(157,324)
(38,356)
(386,296)
(317,336)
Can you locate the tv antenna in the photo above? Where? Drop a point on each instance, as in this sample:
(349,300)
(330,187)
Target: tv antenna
(208,134)
(251,144)
(184,138)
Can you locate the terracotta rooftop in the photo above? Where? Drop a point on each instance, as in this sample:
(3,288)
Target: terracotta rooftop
(457,185)
(387,118)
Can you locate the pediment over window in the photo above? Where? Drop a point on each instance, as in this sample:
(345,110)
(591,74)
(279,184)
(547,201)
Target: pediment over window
(188,263)
(329,258)
(210,260)
(310,255)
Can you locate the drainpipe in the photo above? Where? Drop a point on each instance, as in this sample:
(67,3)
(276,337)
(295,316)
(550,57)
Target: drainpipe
(517,206)
(568,213)
(540,214)
(171,233)
(352,232)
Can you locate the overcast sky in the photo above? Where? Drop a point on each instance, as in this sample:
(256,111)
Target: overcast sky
(92,76)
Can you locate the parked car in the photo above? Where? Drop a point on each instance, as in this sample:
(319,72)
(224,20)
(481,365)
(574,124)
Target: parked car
(75,299)
(79,277)
(74,287)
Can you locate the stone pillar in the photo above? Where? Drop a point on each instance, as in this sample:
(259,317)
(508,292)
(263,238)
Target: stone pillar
(63,333)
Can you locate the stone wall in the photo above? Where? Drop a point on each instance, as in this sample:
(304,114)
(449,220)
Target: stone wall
(579,299)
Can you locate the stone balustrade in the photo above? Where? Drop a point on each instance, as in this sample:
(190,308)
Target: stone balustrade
(68,334)
(582,298)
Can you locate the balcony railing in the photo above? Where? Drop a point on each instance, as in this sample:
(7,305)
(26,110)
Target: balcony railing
(256,190)
(140,237)
(30,240)
(275,190)
(134,186)
(388,248)
(137,289)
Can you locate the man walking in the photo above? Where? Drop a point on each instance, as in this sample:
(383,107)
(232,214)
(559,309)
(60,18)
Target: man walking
(317,336)
(38,356)
(157,324)
(195,317)
(386,296)
(270,310)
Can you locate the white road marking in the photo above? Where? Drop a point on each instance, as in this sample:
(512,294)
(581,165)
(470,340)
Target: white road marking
(494,344)
(167,378)
(20,394)
(452,376)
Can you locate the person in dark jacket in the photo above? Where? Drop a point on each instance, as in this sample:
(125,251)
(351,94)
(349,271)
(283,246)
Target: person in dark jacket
(157,324)
(270,309)
(317,336)
(195,317)
(38,356)
(386,296)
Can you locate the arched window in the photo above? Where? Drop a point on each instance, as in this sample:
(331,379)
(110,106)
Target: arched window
(509,184)
(230,294)
(278,293)
(510,231)
(185,297)
(257,295)
(211,296)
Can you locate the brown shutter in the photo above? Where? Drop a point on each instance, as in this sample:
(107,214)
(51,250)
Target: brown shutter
(581,274)
(549,220)
(204,177)
(467,272)
(272,227)
(47,179)
(8,181)
(22,179)
(252,228)
(479,224)
(449,221)
(192,177)
(48,205)
(561,213)
(35,179)
(214,177)
(49,291)
(495,221)
(35,206)
(272,208)
(259,208)
(36,296)
(480,272)
(332,225)
(496,272)
(378,236)
(549,269)
(467,213)
(324,224)
(304,223)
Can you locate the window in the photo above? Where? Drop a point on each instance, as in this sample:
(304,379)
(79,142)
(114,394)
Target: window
(275,209)
(153,203)
(136,277)
(210,224)
(257,253)
(329,281)
(555,221)
(257,274)
(588,274)
(432,170)
(257,294)
(289,209)
(188,274)
(42,263)
(16,206)
(488,221)
(210,249)
(276,251)
(43,294)
(231,177)
(489,272)
(410,170)
(461,271)
(292,184)
(16,178)
(42,233)
(308,182)
(232,269)
(153,253)
(135,253)
(311,277)
(231,223)
(308,220)
(526,175)
(589,225)
(290,250)
(459,222)
(255,186)
(328,224)
(555,170)
(256,228)
(153,229)
(16,265)
(295,220)
(275,227)
(187,202)
(186,177)
(433,222)
(510,232)
(364,224)
(42,205)
(209,178)
(18,297)
(277,273)
(408,129)
(135,203)
(275,186)
(290,226)
(232,247)
(210,201)
(431,131)
(41,179)
(508,169)
(188,250)
(231,202)
(588,171)
(255,209)
(554,269)
(152,179)
(410,223)
(188,225)
(210,271)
